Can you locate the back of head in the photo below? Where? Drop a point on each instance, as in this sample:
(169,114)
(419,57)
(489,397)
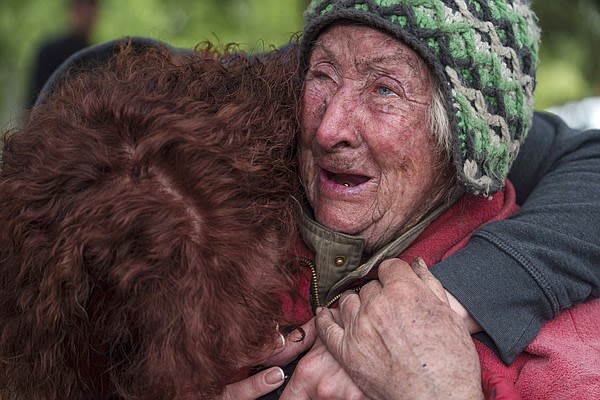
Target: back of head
(484,56)
(146,218)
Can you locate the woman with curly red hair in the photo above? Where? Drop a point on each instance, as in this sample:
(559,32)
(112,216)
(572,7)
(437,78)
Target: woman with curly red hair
(147,213)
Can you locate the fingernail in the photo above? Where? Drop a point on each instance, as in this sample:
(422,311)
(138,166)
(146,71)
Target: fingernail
(281,341)
(297,335)
(319,309)
(281,337)
(274,376)
(420,262)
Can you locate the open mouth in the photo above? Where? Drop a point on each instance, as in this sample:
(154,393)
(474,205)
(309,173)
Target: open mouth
(347,180)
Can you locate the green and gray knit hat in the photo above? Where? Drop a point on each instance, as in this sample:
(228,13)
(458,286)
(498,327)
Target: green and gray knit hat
(484,53)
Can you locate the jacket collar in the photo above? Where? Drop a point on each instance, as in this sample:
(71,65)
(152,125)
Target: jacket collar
(340,258)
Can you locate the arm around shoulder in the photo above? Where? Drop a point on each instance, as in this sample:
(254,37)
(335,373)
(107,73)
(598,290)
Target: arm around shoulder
(517,274)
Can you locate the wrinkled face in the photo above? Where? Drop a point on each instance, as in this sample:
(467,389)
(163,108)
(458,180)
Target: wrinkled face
(368,161)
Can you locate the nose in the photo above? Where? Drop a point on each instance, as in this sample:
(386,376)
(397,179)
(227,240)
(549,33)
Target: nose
(339,127)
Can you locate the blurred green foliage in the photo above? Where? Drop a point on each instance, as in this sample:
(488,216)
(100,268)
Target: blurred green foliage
(568,71)
(569,56)
(25,24)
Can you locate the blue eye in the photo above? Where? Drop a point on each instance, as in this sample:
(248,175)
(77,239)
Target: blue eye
(321,76)
(385,91)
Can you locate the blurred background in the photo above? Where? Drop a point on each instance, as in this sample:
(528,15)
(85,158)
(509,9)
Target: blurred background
(568,72)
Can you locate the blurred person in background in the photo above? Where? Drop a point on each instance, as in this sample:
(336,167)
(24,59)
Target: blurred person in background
(83,15)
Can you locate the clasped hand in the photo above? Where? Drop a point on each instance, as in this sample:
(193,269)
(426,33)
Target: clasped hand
(397,338)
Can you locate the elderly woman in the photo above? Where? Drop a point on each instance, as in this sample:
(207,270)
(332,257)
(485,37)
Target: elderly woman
(412,114)
(147,217)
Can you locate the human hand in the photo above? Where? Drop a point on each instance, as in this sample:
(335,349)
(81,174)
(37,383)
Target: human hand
(257,385)
(318,376)
(399,339)
(470,323)
(270,379)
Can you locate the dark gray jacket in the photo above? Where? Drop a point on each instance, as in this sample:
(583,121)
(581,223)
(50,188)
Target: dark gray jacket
(516,274)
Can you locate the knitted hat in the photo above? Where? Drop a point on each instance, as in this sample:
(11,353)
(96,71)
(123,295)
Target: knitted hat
(484,53)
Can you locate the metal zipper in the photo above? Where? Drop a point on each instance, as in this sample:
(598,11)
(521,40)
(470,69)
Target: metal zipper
(315,285)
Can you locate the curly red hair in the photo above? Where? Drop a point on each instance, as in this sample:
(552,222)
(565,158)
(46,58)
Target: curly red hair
(147,215)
